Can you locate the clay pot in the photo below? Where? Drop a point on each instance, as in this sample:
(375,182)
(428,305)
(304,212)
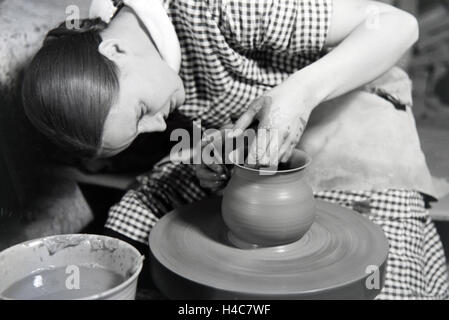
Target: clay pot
(263,209)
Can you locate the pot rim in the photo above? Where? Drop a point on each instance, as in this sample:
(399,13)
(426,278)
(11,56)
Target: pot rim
(308,160)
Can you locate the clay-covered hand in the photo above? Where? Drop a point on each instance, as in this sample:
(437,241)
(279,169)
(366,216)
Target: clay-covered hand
(282,114)
(213,177)
(213,173)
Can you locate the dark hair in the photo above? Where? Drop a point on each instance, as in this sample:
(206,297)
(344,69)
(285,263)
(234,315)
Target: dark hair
(69,88)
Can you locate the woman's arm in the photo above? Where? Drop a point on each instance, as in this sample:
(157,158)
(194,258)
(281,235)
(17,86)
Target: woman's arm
(368,37)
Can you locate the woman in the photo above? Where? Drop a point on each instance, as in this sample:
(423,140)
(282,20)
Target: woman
(288,64)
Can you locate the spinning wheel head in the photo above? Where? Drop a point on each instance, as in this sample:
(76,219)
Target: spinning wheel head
(191,258)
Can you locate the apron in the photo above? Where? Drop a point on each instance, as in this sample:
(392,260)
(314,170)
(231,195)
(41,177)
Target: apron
(367,140)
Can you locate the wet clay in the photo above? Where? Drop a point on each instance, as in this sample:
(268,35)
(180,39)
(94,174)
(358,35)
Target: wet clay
(56,284)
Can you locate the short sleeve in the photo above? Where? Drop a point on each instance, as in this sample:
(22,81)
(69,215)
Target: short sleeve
(285,26)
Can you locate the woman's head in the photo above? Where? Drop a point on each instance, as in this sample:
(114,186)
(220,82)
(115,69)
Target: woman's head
(69,87)
(93,89)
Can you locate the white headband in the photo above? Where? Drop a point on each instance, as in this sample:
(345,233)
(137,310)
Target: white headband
(154,16)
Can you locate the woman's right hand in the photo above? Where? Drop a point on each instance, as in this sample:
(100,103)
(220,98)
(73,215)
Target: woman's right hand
(213,177)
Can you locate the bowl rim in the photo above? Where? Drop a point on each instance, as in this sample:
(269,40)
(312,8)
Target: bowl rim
(307,157)
(97,296)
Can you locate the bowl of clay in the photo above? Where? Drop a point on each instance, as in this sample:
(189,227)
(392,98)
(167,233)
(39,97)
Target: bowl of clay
(66,267)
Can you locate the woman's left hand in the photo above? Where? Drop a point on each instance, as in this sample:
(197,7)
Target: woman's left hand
(282,113)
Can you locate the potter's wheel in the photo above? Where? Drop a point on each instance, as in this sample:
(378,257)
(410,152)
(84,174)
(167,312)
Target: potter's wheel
(193,259)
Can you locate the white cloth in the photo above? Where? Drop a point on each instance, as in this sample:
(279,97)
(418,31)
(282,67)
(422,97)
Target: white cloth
(153,15)
(346,156)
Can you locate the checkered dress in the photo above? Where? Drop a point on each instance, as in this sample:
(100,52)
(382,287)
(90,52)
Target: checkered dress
(235,50)
(416,266)
(232,52)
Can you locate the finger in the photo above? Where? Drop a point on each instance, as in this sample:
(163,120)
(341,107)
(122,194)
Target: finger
(251,160)
(212,185)
(286,145)
(211,137)
(205,141)
(264,159)
(219,188)
(283,150)
(263,146)
(283,144)
(248,117)
(288,153)
(264,138)
(292,140)
(243,123)
(272,156)
(205,173)
(217,168)
(211,149)
(273,149)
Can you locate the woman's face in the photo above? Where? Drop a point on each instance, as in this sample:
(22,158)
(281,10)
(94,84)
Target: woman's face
(149,88)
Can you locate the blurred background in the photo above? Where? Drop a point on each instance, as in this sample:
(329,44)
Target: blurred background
(42,192)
